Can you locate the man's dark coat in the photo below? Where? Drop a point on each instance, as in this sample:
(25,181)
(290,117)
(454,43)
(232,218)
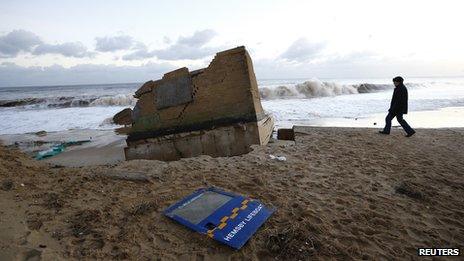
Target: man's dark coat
(399,102)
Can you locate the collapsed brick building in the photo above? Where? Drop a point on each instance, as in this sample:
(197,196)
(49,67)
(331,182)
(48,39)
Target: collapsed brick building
(213,111)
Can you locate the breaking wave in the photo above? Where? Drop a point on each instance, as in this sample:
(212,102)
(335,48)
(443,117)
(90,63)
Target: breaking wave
(67,102)
(117,100)
(308,89)
(316,88)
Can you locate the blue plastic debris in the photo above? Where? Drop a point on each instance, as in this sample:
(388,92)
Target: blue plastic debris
(57,149)
(226,217)
(54,150)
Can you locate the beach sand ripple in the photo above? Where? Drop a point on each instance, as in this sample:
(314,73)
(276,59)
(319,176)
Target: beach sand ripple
(340,194)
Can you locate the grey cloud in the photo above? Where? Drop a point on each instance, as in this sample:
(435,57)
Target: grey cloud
(114,43)
(352,65)
(140,52)
(16,41)
(167,40)
(302,50)
(354,57)
(70,49)
(14,75)
(180,52)
(190,48)
(198,39)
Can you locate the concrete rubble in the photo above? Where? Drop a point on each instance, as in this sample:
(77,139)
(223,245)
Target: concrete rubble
(213,111)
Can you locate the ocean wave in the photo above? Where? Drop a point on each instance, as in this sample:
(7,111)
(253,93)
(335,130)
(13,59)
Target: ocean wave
(317,88)
(117,100)
(67,102)
(308,89)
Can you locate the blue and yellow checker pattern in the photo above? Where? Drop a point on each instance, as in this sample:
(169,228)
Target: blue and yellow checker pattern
(224,219)
(233,223)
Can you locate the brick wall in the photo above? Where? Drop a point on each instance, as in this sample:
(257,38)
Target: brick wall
(227,88)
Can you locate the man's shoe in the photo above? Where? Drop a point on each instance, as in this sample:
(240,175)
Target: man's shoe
(383,132)
(410,134)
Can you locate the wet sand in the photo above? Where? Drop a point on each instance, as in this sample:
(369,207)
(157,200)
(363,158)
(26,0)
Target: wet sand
(450,117)
(105,146)
(342,193)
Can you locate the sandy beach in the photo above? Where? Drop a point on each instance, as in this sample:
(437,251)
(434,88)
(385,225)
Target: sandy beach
(231,130)
(342,193)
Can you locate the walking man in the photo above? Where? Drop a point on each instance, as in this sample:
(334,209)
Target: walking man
(398,107)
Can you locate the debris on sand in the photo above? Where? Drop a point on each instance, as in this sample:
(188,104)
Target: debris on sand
(293,242)
(285,134)
(409,189)
(57,149)
(81,222)
(226,217)
(7,185)
(33,222)
(41,133)
(143,208)
(278,158)
(52,201)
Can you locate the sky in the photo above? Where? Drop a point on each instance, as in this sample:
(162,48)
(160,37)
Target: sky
(85,42)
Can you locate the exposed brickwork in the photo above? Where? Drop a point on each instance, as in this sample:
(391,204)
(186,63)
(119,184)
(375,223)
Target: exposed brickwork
(225,92)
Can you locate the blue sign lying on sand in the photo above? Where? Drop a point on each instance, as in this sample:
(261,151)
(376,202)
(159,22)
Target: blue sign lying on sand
(226,217)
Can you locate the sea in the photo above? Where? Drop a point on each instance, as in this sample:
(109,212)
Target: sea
(433,103)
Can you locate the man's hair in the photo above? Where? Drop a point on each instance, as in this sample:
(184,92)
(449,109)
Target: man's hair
(398,79)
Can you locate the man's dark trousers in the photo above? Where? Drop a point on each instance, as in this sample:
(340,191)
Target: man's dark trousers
(399,117)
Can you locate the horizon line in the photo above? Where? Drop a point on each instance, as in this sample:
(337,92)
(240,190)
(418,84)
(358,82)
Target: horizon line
(261,79)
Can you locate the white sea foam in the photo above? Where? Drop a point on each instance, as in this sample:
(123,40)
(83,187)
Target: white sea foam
(66,102)
(315,88)
(117,100)
(30,109)
(13,121)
